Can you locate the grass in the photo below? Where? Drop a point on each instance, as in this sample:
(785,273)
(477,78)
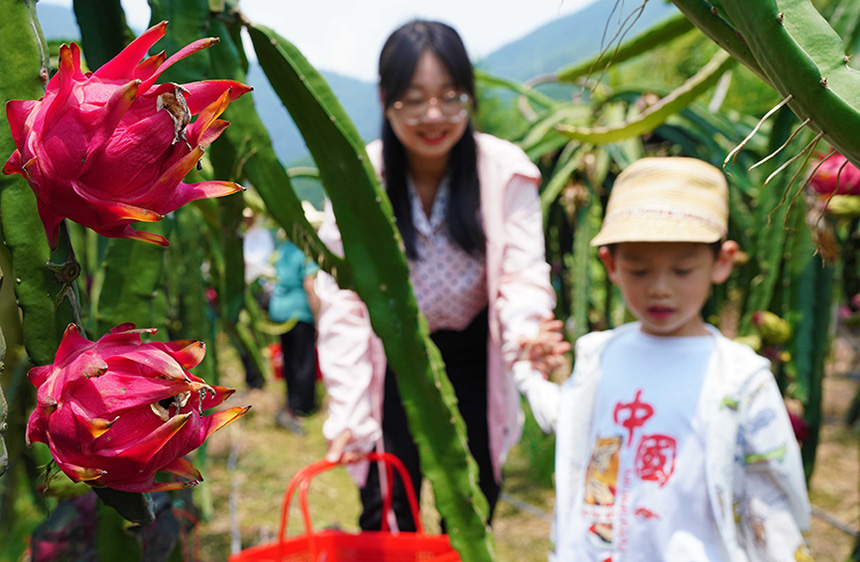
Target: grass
(254,460)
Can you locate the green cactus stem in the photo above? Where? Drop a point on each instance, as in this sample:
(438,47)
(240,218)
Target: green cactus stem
(372,247)
(799,54)
(707,18)
(130,288)
(4,454)
(104,31)
(656,114)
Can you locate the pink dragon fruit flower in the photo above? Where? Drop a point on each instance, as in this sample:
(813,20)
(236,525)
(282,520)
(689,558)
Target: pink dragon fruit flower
(824,179)
(111,147)
(116,411)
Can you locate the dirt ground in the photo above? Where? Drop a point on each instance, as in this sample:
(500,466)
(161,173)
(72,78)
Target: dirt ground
(252,461)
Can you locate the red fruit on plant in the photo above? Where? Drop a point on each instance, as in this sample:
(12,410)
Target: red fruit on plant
(111,147)
(824,179)
(115,411)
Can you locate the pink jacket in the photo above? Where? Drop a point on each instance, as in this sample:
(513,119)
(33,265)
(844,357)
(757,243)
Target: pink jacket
(351,356)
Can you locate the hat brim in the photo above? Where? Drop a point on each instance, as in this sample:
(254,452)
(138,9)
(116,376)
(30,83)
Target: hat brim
(646,229)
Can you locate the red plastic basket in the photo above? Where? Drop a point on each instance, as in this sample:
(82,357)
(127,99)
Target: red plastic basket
(340,546)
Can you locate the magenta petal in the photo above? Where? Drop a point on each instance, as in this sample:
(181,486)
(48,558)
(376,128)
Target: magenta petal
(213,132)
(156,361)
(72,71)
(110,116)
(188,353)
(198,45)
(123,65)
(221,393)
(144,450)
(146,68)
(114,211)
(129,328)
(202,94)
(203,190)
(66,75)
(38,375)
(17,112)
(183,468)
(51,221)
(126,231)
(71,345)
(14,165)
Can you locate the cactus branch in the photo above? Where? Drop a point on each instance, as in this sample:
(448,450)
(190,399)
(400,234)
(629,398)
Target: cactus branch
(801,54)
(731,155)
(656,114)
(778,150)
(721,32)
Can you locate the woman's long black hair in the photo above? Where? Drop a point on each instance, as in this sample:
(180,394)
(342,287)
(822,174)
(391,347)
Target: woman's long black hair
(397,64)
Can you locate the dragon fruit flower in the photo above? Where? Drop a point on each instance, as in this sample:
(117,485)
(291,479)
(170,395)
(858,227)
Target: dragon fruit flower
(115,411)
(111,147)
(837,166)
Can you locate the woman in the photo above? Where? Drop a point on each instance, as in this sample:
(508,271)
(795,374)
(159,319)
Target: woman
(468,211)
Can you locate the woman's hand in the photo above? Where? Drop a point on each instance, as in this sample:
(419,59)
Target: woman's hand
(336,449)
(546,351)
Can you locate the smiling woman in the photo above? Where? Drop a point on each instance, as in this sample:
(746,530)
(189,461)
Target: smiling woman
(467,207)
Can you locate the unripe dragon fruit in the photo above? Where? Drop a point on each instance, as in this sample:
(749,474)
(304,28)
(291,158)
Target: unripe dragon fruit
(772,329)
(115,411)
(111,147)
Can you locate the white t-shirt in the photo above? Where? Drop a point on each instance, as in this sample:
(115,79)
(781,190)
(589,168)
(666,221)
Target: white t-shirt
(644,497)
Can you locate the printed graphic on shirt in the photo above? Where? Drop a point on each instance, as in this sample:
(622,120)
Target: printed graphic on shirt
(601,485)
(655,459)
(632,415)
(645,513)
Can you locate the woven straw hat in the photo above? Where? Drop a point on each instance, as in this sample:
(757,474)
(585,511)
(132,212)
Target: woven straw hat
(670,199)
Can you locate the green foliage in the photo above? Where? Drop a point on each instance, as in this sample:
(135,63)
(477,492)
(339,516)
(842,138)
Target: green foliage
(372,246)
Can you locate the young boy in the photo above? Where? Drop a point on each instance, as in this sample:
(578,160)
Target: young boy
(673,443)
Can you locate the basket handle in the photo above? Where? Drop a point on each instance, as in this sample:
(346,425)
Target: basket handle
(302,481)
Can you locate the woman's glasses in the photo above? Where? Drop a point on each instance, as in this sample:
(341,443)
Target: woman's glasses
(451,105)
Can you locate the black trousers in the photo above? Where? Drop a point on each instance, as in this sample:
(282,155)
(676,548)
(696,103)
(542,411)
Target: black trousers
(300,367)
(465,356)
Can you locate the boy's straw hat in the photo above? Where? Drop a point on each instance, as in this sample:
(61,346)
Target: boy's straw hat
(669,199)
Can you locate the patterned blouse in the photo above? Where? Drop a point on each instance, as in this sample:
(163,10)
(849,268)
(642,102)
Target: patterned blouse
(450,284)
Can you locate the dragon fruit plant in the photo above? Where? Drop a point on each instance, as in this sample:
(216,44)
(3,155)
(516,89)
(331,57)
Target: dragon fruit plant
(111,147)
(116,411)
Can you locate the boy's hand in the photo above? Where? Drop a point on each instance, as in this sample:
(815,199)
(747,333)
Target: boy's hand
(547,350)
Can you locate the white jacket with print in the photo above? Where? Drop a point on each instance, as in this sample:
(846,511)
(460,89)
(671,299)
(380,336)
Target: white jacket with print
(753,467)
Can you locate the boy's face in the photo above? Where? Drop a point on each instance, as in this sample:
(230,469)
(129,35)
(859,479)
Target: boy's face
(666,284)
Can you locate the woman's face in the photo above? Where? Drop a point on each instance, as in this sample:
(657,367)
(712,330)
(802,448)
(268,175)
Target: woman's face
(432,138)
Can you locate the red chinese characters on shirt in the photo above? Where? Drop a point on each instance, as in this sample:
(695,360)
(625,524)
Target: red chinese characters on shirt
(655,456)
(639,412)
(655,459)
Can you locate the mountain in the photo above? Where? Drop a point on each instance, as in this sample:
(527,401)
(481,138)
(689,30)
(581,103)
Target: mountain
(568,39)
(358,98)
(546,49)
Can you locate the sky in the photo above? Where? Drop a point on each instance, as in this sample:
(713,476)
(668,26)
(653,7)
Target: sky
(345,36)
